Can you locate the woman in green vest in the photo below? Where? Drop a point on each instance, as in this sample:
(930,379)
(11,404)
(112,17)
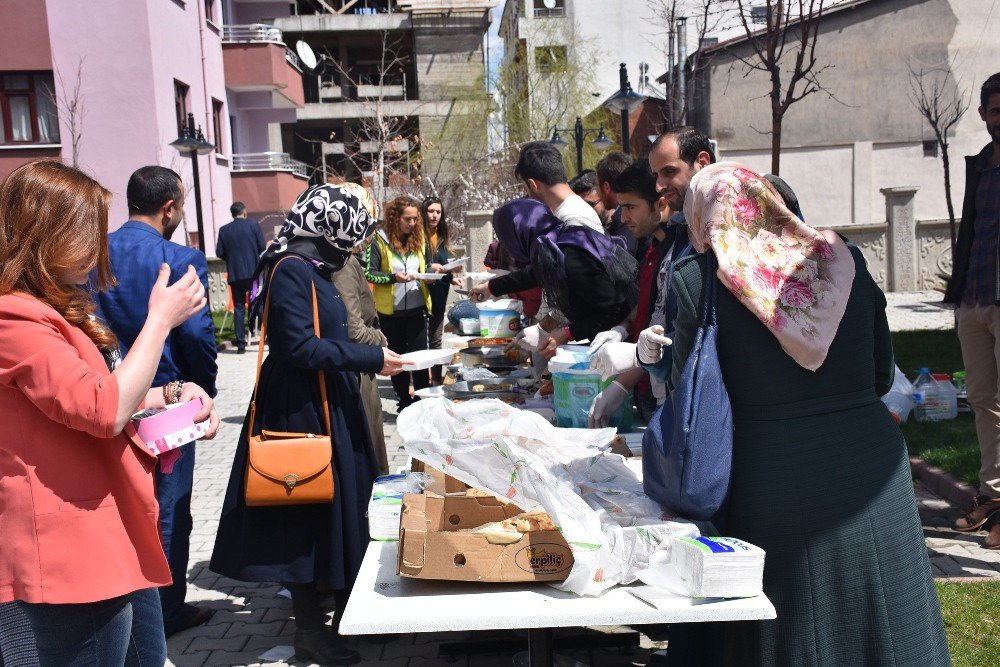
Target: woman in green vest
(402,301)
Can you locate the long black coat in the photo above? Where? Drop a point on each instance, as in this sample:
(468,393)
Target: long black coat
(323,542)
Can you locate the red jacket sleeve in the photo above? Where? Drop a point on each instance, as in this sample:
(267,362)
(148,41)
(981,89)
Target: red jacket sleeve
(38,358)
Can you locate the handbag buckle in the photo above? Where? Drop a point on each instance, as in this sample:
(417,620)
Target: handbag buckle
(291,480)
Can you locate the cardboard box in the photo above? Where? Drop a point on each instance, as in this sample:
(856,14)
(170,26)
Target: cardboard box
(432,544)
(442,483)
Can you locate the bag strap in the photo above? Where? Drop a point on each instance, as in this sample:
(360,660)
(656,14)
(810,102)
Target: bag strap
(707,307)
(260,354)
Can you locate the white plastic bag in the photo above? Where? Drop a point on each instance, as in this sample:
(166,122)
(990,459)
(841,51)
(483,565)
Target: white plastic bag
(594,497)
(899,400)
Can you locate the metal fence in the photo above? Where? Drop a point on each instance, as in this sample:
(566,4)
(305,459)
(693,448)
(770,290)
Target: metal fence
(253,32)
(269,162)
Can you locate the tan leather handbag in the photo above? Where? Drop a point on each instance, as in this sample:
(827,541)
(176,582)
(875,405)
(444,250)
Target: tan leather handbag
(288,468)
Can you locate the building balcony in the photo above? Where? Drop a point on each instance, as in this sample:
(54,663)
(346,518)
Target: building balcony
(389,108)
(267,183)
(341,23)
(256,59)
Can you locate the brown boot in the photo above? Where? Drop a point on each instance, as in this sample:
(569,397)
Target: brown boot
(982,508)
(993,538)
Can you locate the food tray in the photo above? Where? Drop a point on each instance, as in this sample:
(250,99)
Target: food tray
(497,389)
(424,359)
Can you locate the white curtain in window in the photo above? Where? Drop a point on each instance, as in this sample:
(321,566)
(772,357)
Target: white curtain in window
(48,119)
(20,117)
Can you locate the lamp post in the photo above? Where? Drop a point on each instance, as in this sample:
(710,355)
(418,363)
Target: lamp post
(579,134)
(192,142)
(624,102)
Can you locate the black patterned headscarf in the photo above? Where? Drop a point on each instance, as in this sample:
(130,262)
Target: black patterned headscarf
(324,226)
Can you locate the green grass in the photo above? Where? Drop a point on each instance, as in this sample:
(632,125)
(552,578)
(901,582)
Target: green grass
(971,614)
(221,335)
(951,445)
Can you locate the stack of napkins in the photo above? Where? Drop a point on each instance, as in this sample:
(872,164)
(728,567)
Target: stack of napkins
(717,567)
(386,504)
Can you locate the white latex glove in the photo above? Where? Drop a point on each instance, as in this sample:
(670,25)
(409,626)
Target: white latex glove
(531,338)
(606,404)
(614,335)
(614,359)
(651,344)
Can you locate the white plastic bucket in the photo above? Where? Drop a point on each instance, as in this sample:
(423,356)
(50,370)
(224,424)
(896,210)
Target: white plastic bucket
(574,387)
(500,318)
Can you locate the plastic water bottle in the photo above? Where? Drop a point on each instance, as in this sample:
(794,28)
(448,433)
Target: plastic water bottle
(934,399)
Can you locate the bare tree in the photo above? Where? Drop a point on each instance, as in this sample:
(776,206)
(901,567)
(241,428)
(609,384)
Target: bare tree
(387,145)
(706,16)
(784,48)
(935,94)
(67,98)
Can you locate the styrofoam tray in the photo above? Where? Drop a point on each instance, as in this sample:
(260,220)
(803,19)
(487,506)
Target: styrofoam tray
(429,392)
(427,276)
(423,359)
(455,263)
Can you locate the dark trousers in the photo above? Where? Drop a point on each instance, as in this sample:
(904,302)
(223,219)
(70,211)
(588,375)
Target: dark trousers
(126,630)
(435,332)
(240,289)
(173,492)
(406,331)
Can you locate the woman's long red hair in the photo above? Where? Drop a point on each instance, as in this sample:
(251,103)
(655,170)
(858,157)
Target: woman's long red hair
(55,217)
(414,241)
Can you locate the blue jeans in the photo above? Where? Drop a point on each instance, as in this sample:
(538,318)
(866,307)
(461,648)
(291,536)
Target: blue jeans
(126,630)
(173,492)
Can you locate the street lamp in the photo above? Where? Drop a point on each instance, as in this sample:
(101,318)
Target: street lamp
(579,133)
(192,142)
(624,101)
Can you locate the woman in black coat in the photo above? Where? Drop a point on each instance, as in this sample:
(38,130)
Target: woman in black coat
(303,545)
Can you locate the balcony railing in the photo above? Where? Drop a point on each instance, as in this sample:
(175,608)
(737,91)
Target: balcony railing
(253,32)
(545,12)
(243,162)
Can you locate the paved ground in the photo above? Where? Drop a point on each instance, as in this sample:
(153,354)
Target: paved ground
(251,619)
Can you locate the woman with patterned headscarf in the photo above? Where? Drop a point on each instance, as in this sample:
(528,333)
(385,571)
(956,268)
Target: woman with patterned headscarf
(308,546)
(820,474)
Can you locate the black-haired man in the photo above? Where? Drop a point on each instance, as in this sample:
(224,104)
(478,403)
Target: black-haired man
(240,243)
(608,169)
(137,251)
(975,288)
(540,168)
(675,157)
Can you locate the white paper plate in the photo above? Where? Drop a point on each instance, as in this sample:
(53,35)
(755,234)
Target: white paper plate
(423,359)
(427,276)
(455,263)
(429,392)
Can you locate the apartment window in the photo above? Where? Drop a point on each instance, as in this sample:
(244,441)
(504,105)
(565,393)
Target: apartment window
(217,125)
(930,148)
(28,109)
(181,105)
(232,131)
(210,11)
(550,58)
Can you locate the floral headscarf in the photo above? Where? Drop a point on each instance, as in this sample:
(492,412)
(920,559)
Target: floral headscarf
(324,226)
(795,279)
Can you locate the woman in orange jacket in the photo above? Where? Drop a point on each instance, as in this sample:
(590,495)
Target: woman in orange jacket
(80,548)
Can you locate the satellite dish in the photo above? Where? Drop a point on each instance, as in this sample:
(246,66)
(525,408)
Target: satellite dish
(550,4)
(306,55)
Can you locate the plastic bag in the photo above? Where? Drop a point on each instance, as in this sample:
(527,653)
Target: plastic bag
(899,400)
(594,497)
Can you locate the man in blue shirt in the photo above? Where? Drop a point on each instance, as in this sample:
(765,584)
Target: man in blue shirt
(240,244)
(137,250)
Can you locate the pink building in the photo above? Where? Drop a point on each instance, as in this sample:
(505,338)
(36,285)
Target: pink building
(140,67)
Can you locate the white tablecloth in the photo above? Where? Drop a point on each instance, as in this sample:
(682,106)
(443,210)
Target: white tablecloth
(384,603)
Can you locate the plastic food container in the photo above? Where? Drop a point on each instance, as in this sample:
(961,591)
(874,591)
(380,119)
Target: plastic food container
(575,386)
(469,326)
(500,318)
(424,359)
